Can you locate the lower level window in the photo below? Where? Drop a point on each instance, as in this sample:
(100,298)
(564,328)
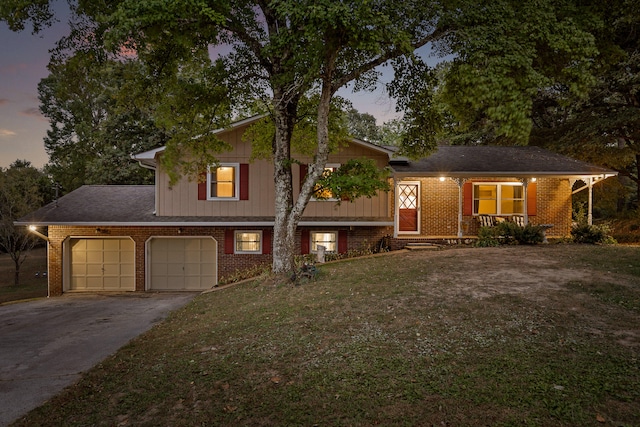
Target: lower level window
(248,242)
(325,238)
(498,199)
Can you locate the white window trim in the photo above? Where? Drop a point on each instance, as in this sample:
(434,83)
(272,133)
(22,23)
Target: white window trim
(499,185)
(311,233)
(236,181)
(235,242)
(332,199)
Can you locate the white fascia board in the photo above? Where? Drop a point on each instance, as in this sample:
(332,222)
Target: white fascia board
(502,174)
(148,158)
(372,146)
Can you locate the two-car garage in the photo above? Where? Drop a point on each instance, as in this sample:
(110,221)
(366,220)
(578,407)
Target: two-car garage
(172,264)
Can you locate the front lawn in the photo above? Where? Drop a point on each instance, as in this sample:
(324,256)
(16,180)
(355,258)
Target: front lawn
(541,336)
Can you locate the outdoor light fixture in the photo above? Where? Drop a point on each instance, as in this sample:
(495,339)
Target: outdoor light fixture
(34,230)
(442,178)
(534,179)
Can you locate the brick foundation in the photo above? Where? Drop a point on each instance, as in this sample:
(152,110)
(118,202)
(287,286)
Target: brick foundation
(357,238)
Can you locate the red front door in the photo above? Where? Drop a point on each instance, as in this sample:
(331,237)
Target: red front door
(408,204)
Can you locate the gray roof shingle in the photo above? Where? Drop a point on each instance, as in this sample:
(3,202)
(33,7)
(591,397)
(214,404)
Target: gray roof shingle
(135,204)
(497,161)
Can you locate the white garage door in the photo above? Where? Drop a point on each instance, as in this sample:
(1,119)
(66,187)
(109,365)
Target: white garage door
(187,264)
(102,265)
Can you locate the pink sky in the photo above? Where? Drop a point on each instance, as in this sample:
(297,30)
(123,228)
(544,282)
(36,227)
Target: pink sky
(23,62)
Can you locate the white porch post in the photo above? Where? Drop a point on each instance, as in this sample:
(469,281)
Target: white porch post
(525,185)
(396,211)
(590,205)
(460,182)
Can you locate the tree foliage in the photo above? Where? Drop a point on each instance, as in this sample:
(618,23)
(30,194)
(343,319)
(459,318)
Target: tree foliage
(205,61)
(604,127)
(363,126)
(23,189)
(96,121)
(507,51)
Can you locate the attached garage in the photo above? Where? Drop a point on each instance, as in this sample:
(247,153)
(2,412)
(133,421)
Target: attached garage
(182,263)
(101,264)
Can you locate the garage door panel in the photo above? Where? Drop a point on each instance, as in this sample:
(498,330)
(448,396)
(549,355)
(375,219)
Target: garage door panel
(93,256)
(92,269)
(102,264)
(208,270)
(192,269)
(159,269)
(189,263)
(127,269)
(110,270)
(174,269)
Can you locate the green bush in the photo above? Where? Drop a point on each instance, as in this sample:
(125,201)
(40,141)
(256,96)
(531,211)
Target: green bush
(510,233)
(487,237)
(593,234)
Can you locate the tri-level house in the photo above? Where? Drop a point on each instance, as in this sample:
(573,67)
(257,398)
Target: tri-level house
(189,235)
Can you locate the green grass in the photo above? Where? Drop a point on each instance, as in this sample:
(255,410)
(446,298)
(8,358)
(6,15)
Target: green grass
(30,285)
(394,340)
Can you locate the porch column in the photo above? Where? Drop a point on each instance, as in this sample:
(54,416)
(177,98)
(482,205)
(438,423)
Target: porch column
(460,182)
(396,211)
(525,184)
(590,205)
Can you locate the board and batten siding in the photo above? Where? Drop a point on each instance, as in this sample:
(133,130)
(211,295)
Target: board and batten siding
(181,199)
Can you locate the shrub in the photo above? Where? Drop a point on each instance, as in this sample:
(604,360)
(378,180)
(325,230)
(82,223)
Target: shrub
(593,234)
(487,237)
(510,233)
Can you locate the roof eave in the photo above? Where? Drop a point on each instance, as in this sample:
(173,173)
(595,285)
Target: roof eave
(576,175)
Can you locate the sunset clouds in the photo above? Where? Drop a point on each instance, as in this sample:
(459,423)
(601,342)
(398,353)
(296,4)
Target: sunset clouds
(6,133)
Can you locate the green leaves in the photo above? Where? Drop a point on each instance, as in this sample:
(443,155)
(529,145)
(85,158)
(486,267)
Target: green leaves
(353,179)
(17,12)
(507,52)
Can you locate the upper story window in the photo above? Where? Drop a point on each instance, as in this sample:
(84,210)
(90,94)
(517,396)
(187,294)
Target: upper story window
(222,182)
(324,193)
(505,198)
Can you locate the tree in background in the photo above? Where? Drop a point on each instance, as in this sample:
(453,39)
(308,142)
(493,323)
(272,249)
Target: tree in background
(23,189)
(604,126)
(363,126)
(95,124)
(203,61)
(507,51)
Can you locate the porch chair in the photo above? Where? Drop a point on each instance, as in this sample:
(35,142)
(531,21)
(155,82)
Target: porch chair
(486,221)
(518,219)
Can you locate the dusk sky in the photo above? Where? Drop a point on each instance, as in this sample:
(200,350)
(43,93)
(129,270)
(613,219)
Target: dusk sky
(23,62)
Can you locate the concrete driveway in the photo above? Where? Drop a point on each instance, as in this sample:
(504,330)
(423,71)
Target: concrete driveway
(46,344)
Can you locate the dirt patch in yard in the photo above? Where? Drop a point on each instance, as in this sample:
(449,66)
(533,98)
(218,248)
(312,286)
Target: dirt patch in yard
(486,272)
(543,275)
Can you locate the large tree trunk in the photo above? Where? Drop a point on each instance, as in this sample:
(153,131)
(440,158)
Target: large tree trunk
(284,228)
(288,213)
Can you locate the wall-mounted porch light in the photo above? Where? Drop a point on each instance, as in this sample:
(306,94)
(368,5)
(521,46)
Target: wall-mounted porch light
(442,178)
(34,230)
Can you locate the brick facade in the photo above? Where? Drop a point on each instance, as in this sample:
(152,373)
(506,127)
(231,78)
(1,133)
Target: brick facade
(357,238)
(439,208)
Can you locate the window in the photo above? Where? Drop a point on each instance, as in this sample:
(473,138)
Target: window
(498,198)
(324,238)
(325,194)
(249,242)
(222,182)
